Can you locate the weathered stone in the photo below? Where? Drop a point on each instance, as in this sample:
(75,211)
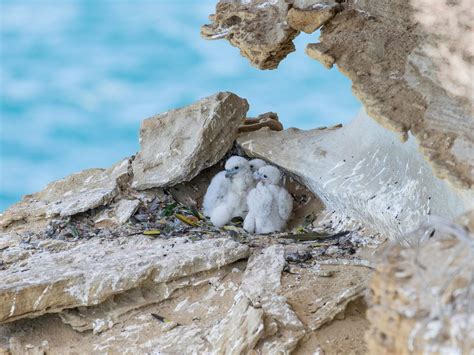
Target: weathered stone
(379,45)
(90,272)
(312,18)
(318,52)
(261,284)
(74,194)
(115,309)
(213,311)
(258,318)
(268,119)
(118,214)
(258,28)
(256,307)
(240,330)
(396,82)
(178,144)
(330,308)
(422,294)
(362,172)
(17,348)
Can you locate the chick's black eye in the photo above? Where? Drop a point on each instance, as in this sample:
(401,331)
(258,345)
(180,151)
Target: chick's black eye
(265,176)
(236,168)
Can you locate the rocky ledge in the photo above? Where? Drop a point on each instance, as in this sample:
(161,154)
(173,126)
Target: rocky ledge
(121,260)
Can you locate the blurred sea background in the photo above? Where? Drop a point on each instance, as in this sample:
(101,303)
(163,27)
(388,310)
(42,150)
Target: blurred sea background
(78,77)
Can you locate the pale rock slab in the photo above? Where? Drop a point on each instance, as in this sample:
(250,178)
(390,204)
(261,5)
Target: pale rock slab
(309,17)
(380,47)
(257,305)
(115,309)
(362,172)
(118,214)
(74,194)
(258,28)
(240,330)
(422,292)
(261,283)
(178,144)
(259,319)
(90,272)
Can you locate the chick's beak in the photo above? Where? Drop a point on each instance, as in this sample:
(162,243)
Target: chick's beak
(229,173)
(257,176)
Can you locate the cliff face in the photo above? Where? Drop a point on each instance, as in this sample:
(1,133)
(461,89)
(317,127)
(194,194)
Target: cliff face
(412,66)
(120,260)
(382,49)
(422,294)
(363,174)
(125,253)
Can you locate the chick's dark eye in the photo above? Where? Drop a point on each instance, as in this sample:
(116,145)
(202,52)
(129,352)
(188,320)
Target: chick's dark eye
(265,176)
(236,168)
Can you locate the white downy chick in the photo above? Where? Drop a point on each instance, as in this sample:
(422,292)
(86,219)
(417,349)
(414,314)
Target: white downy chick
(226,195)
(269,204)
(216,191)
(256,164)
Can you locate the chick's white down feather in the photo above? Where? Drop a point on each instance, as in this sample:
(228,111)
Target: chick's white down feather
(270,205)
(256,164)
(226,195)
(215,193)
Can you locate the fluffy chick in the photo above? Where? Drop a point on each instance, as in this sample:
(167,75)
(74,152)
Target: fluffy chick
(269,204)
(226,195)
(256,164)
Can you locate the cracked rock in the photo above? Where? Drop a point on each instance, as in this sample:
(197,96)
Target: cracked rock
(74,194)
(89,272)
(312,18)
(258,28)
(178,144)
(363,173)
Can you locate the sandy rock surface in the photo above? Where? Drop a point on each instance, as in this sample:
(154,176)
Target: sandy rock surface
(62,275)
(74,194)
(382,49)
(178,144)
(422,294)
(258,28)
(310,17)
(362,172)
(272,302)
(123,262)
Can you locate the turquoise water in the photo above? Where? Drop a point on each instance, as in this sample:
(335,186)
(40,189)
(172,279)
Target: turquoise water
(78,77)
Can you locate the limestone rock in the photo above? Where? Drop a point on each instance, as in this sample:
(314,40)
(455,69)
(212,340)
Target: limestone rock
(330,308)
(379,45)
(268,119)
(258,319)
(312,18)
(258,313)
(115,309)
(422,296)
(178,144)
(247,307)
(118,214)
(362,172)
(17,348)
(258,28)
(90,272)
(74,194)
(261,284)
(240,330)
(319,53)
